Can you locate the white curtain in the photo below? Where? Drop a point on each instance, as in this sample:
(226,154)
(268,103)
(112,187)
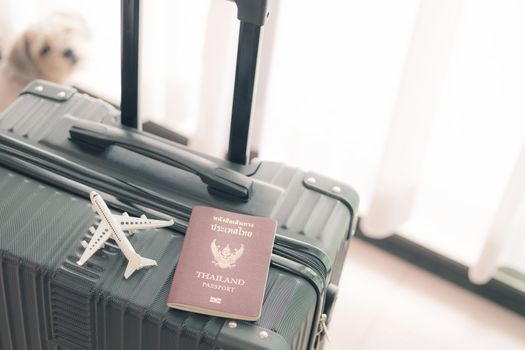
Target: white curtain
(421,86)
(14,18)
(188,56)
(195,45)
(419,104)
(454,184)
(505,242)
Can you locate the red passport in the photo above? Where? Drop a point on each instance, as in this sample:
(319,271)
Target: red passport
(223,265)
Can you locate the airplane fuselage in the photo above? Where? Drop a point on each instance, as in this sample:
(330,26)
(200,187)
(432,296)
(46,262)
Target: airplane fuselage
(118,235)
(113,226)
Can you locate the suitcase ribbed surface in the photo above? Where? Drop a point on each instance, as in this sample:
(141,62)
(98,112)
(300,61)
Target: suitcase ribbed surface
(49,302)
(21,303)
(31,213)
(304,214)
(308,215)
(37,117)
(71,319)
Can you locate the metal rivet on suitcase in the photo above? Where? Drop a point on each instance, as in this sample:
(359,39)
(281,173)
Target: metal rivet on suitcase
(263,335)
(232,324)
(39,88)
(61,94)
(336,189)
(311,180)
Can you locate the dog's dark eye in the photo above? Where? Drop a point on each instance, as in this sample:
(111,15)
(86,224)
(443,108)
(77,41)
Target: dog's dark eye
(68,53)
(45,50)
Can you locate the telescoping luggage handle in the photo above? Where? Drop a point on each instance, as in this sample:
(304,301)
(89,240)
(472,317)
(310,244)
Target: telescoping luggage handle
(252,15)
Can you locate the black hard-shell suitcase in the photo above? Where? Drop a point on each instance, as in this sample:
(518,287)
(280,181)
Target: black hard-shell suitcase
(56,145)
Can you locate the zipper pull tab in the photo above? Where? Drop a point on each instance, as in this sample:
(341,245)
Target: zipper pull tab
(323,328)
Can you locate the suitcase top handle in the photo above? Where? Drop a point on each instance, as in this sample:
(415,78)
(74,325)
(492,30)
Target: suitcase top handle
(220,180)
(252,11)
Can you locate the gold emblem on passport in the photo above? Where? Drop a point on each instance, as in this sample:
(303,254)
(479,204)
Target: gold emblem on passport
(225,258)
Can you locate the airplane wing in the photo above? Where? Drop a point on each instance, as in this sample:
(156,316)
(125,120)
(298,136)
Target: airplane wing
(100,236)
(130,224)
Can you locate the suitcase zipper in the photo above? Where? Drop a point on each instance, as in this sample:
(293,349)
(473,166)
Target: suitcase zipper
(323,328)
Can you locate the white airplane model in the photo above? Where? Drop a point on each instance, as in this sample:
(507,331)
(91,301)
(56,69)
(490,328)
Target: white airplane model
(113,226)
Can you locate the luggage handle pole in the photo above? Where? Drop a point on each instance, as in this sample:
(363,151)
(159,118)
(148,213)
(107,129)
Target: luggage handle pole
(129,70)
(252,14)
(243,94)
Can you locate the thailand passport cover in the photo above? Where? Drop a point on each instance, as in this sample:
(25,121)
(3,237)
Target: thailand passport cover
(223,265)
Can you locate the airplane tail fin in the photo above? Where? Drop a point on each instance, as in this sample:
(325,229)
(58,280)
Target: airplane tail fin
(137,264)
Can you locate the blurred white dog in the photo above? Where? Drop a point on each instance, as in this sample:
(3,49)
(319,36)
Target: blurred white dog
(50,49)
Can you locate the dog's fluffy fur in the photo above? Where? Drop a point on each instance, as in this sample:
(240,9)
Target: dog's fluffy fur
(50,49)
